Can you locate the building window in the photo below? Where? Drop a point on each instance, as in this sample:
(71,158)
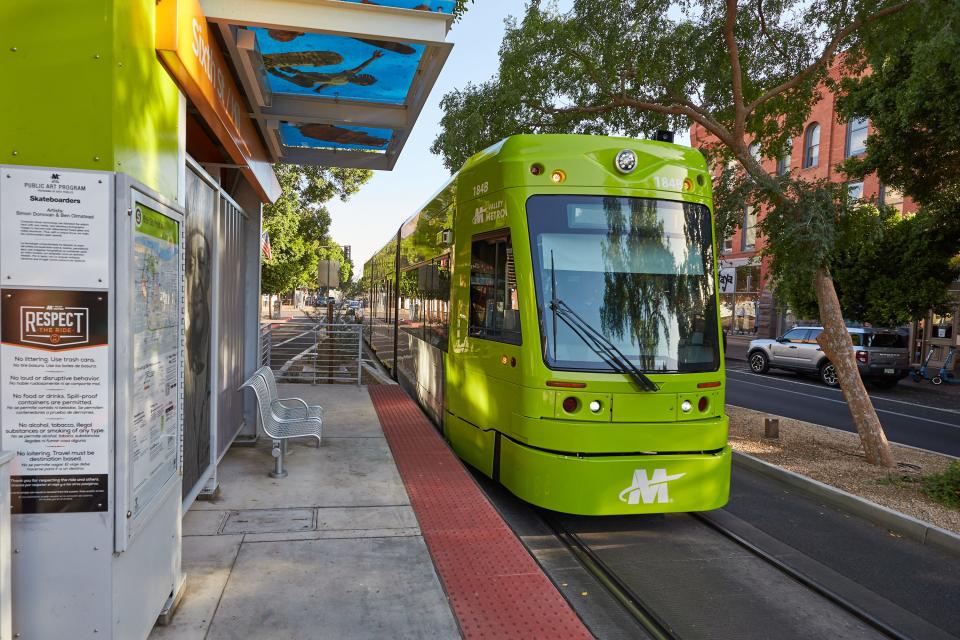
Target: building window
(857,136)
(727,245)
(811,146)
(494,308)
(783,163)
(942,326)
(755,151)
(855,190)
(749,238)
(740,299)
(891,197)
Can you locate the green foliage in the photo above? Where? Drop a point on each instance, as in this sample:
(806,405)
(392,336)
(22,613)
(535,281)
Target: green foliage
(944,487)
(910,96)
(630,67)
(887,269)
(460,8)
(298,224)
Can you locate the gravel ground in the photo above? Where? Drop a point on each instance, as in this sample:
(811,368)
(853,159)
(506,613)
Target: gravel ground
(836,458)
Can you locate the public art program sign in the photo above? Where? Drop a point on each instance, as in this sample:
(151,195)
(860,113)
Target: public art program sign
(55,398)
(56,229)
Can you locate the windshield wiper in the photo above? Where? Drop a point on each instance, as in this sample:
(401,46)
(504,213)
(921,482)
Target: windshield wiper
(598,343)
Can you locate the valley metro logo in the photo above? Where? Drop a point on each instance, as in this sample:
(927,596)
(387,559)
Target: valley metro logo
(649,490)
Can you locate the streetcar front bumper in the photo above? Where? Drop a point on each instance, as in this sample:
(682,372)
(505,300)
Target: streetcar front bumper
(615,484)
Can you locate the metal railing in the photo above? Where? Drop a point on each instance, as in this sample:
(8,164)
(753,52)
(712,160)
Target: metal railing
(309,351)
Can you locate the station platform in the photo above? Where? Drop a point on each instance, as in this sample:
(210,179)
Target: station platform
(379,533)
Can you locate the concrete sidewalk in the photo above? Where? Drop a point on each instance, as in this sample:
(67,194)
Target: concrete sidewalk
(331,551)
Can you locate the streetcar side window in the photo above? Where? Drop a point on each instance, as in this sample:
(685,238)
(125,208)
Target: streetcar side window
(494,308)
(433,282)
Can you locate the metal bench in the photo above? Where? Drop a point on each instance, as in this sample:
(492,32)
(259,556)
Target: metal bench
(284,411)
(277,428)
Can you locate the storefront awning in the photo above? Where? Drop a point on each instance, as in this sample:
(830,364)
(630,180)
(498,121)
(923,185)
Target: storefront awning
(334,82)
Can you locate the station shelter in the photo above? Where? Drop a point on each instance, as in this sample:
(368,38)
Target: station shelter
(137,139)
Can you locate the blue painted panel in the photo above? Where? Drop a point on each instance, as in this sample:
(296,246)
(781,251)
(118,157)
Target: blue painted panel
(328,66)
(443,6)
(328,136)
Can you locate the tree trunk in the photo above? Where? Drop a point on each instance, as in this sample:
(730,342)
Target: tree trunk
(836,344)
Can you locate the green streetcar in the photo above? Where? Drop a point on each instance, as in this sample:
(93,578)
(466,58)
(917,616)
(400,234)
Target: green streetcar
(554,308)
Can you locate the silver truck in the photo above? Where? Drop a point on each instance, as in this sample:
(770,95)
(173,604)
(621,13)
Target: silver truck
(882,355)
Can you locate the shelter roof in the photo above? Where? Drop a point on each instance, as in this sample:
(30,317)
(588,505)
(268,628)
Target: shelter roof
(334,82)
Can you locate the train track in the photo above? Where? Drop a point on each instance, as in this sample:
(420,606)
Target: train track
(644,615)
(823,590)
(655,624)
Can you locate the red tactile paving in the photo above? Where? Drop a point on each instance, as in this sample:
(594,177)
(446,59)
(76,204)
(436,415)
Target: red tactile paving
(496,588)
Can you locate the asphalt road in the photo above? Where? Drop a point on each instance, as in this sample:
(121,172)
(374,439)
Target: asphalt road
(788,395)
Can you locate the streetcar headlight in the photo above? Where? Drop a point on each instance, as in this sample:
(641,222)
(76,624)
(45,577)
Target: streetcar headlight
(595,406)
(686,406)
(626,161)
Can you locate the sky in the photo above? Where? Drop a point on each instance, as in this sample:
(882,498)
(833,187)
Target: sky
(368,220)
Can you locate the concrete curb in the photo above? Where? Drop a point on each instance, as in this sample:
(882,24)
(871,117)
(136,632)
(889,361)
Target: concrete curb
(922,532)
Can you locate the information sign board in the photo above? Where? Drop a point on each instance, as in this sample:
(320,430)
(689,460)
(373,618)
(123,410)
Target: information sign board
(54,376)
(154,417)
(55,228)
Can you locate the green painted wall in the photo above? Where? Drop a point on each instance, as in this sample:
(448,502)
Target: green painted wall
(82,88)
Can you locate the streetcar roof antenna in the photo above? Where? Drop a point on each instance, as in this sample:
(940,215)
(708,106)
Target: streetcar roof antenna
(664,135)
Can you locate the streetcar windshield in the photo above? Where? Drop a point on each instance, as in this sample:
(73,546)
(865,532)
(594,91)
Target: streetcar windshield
(639,271)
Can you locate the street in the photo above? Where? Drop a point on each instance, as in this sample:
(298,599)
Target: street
(908,416)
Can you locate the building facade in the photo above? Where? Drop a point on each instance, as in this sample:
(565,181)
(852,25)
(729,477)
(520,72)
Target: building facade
(749,306)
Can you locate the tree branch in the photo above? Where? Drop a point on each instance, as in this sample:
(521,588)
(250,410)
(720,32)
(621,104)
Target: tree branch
(739,113)
(708,123)
(827,54)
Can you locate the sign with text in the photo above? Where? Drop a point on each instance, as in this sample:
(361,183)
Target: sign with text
(55,228)
(728,280)
(154,422)
(54,366)
(188,50)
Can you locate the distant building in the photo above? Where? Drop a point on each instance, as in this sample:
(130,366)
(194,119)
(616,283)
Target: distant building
(748,306)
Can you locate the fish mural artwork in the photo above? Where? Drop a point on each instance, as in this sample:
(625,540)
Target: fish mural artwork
(291,59)
(320,81)
(340,135)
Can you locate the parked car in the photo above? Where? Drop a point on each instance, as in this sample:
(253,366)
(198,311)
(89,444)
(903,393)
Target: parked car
(882,355)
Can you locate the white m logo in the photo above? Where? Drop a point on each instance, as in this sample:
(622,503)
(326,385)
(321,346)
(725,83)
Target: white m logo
(649,490)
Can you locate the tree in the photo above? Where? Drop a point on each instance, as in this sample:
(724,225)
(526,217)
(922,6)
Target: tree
(910,96)
(748,72)
(298,224)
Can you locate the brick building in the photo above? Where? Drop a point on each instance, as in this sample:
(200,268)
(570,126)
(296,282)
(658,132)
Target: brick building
(748,305)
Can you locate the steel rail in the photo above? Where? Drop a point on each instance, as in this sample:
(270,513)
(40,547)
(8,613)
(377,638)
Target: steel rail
(808,582)
(633,604)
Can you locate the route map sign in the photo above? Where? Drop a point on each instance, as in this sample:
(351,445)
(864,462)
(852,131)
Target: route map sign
(155,389)
(54,370)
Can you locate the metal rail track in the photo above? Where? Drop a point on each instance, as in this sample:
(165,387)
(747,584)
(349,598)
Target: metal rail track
(822,590)
(656,627)
(659,628)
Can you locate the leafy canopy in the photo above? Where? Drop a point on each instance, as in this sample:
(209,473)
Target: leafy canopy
(747,72)
(910,96)
(299,224)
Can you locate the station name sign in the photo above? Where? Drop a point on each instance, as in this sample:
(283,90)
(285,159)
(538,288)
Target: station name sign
(186,49)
